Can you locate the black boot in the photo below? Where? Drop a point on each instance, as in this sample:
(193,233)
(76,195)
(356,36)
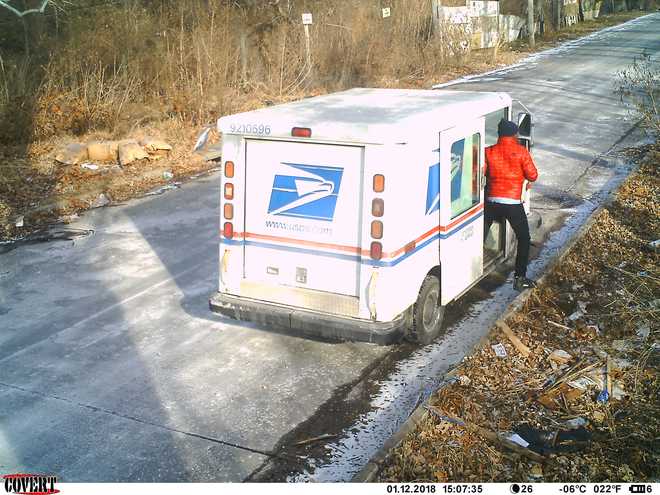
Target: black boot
(522,283)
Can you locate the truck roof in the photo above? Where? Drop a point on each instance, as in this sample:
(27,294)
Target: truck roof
(366,115)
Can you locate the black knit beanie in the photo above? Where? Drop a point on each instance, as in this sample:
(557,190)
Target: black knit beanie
(507,128)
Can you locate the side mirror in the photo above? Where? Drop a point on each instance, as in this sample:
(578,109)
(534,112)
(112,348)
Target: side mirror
(525,129)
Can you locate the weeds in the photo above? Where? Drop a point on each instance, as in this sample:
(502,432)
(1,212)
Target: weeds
(638,86)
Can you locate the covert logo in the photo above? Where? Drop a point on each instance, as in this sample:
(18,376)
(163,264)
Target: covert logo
(30,484)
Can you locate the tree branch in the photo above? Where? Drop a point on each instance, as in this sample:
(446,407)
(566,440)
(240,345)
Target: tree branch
(40,10)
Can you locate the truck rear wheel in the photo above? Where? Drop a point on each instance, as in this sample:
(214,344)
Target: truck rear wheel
(427,312)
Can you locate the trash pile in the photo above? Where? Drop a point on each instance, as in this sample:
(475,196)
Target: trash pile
(125,152)
(47,186)
(567,388)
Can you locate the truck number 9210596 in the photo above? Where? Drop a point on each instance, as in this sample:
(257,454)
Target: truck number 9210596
(259,129)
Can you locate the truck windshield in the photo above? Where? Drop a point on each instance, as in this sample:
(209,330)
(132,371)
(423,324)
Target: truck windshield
(492,119)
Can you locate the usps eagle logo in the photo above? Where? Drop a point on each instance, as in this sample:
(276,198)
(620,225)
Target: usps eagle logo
(305,191)
(433,189)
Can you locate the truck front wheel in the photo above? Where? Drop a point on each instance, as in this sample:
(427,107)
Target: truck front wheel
(427,312)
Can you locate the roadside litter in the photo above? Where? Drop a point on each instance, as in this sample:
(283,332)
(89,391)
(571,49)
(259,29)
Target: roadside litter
(501,439)
(130,152)
(47,234)
(162,189)
(100,201)
(125,151)
(500,350)
(517,343)
(307,441)
(72,154)
(155,146)
(550,442)
(580,379)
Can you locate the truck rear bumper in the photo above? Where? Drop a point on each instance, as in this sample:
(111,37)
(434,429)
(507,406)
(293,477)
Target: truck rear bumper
(309,323)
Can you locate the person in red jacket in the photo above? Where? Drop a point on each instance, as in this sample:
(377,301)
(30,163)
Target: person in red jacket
(508,164)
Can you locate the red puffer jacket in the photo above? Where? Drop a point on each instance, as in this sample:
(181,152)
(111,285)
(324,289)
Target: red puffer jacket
(508,164)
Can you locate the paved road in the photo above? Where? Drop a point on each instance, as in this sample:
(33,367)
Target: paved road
(113,369)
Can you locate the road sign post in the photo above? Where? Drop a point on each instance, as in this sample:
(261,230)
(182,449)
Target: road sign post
(307,21)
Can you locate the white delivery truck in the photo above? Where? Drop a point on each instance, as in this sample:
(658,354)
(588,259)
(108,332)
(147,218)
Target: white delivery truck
(357,215)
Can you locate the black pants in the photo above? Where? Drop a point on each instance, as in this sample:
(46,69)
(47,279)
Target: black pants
(515,214)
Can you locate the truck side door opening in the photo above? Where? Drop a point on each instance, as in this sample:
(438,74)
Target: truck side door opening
(495,238)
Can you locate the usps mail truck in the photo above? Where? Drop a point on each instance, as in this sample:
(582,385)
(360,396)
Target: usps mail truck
(357,215)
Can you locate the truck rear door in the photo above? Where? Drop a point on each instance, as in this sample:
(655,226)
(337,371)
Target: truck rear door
(302,215)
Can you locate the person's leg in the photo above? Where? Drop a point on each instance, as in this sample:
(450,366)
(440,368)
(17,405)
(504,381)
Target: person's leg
(518,220)
(490,215)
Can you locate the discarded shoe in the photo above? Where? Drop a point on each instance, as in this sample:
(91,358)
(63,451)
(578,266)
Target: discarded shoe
(522,283)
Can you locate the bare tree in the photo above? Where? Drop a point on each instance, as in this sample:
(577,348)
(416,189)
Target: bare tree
(530,22)
(22,13)
(265,14)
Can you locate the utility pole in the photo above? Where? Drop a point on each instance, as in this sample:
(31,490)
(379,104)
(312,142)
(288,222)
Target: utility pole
(530,22)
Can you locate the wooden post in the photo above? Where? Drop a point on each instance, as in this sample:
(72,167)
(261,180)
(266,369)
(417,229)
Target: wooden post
(307,48)
(307,21)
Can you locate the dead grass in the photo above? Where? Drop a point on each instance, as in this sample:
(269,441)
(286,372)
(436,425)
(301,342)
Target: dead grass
(610,279)
(166,70)
(38,190)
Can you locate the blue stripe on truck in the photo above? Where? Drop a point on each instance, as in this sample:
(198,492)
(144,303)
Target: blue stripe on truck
(350,257)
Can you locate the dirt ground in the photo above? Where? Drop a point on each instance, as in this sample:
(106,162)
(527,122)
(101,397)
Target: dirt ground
(585,398)
(36,191)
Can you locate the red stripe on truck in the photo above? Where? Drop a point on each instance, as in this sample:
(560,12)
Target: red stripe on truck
(356,250)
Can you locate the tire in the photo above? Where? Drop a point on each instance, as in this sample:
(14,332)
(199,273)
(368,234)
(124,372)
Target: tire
(427,312)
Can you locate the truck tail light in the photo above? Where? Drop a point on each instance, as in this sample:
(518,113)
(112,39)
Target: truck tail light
(229,169)
(377,229)
(229,190)
(304,132)
(376,250)
(228,230)
(379,183)
(228,211)
(377,207)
